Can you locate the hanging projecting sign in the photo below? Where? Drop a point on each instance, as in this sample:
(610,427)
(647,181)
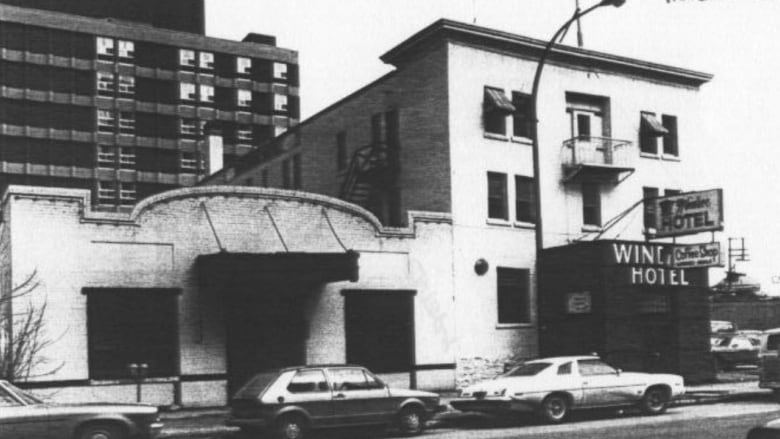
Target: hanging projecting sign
(697,255)
(686,214)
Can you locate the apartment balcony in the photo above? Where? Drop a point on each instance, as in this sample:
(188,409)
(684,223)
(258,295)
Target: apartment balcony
(597,160)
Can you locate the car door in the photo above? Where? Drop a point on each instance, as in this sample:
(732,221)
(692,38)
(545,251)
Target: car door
(358,397)
(603,385)
(19,420)
(309,390)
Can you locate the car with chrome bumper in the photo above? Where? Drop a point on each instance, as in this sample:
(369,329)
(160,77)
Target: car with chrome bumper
(288,403)
(553,387)
(23,416)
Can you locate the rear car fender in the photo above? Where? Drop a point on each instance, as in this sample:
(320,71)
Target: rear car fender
(667,388)
(117,420)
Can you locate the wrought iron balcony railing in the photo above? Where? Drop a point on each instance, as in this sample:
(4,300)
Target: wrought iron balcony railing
(598,158)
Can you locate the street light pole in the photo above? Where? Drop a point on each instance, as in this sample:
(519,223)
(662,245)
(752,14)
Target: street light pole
(535,118)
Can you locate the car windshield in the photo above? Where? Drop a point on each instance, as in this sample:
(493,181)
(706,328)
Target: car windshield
(24,396)
(257,385)
(527,369)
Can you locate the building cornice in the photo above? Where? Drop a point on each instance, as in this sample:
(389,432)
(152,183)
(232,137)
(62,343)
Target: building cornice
(519,45)
(141,32)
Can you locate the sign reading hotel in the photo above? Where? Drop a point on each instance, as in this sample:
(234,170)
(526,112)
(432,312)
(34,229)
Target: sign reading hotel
(662,264)
(685,214)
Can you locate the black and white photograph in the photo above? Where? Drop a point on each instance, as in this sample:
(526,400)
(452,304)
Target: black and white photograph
(446,219)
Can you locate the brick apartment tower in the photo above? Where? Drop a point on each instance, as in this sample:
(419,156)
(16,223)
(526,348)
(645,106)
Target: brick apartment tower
(120,102)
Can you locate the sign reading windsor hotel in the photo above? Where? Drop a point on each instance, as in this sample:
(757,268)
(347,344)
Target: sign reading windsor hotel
(663,264)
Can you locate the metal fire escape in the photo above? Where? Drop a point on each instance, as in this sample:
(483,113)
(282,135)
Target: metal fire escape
(370,173)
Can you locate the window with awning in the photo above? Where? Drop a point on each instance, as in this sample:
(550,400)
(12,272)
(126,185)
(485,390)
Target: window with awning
(496,108)
(650,129)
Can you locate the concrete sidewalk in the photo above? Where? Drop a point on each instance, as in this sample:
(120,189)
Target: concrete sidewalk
(209,423)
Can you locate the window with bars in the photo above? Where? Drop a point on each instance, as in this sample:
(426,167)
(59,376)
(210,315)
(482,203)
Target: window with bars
(126,85)
(513,294)
(127,193)
(106,192)
(188,127)
(105,84)
(106,156)
(244,134)
(127,157)
(106,121)
(280,70)
(244,98)
(243,65)
(126,122)
(497,197)
(188,161)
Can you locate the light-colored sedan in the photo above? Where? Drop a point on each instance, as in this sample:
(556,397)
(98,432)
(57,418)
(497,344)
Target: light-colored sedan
(552,387)
(23,416)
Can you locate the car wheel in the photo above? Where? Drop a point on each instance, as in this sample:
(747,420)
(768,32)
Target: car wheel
(554,408)
(100,431)
(291,427)
(655,401)
(411,421)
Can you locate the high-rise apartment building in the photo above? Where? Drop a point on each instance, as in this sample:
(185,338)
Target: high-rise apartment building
(120,108)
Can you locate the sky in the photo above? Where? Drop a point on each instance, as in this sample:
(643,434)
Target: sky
(339,43)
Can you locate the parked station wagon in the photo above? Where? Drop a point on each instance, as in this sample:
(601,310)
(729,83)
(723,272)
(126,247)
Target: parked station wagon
(290,402)
(552,387)
(23,416)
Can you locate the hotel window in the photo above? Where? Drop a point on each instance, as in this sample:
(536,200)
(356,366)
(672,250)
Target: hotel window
(131,325)
(105,48)
(648,194)
(513,293)
(187,58)
(497,198)
(521,118)
(206,93)
(188,91)
(126,122)
(127,157)
(126,85)
(591,204)
(525,196)
(280,102)
(105,84)
(127,193)
(188,161)
(341,151)
(106,121)
(106,192)
(188,127)
(244,98)
(243,65)
(244,134)
(126,49)
(280,70)
(670,138)
(589,119)
(106,156)
(495,108)
(650,129)
(207,60)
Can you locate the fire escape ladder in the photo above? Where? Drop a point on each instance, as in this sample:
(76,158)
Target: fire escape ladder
(366,173)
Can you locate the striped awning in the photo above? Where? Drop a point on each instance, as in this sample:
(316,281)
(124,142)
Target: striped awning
(652,126)
(496,100)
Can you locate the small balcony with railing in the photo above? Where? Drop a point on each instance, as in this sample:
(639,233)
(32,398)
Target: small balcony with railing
(597,160)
